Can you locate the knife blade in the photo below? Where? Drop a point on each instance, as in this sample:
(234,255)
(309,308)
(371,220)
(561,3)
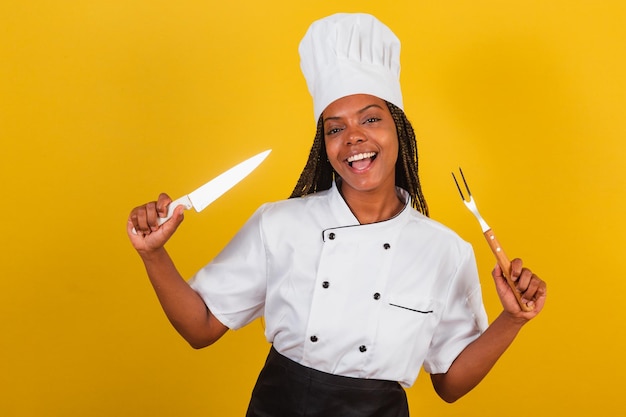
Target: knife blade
(203,196)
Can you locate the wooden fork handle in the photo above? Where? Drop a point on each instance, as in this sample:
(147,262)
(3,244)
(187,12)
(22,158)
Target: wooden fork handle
(505,265)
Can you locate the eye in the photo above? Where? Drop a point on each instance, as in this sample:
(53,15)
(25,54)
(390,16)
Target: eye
(332,131)
(373,119)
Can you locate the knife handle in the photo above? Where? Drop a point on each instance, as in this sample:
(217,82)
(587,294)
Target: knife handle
(505,265)
(182,201)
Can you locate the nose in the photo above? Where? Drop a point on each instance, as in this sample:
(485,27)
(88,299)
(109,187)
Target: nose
(355,135)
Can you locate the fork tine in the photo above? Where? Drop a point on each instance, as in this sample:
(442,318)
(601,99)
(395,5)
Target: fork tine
(465,182)
(458,187)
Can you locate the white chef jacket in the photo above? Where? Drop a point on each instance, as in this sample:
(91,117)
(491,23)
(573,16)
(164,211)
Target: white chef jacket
(369,301)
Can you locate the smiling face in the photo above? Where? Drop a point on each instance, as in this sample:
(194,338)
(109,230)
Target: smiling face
(361,143)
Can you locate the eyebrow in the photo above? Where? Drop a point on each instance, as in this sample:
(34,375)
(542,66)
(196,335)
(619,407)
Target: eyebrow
(364,109)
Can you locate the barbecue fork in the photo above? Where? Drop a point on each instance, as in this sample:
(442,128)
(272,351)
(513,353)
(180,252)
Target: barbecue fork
(502,259)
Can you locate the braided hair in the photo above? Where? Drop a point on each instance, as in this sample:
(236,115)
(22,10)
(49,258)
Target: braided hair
(318,174)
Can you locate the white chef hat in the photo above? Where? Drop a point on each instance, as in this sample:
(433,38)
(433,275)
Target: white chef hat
(347,54)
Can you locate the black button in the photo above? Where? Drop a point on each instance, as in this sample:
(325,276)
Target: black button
(313,339)
(331,236)
(362,348)
(376,296)
(325,284)
(386,246)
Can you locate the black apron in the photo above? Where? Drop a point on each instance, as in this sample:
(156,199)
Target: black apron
(287,389)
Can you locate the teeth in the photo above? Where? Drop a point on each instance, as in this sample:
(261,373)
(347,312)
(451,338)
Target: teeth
(361,156)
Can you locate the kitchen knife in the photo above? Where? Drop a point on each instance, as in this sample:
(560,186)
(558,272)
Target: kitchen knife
(201,197)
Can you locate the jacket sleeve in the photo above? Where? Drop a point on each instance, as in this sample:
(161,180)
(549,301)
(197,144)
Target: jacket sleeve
(463,319)
(233,285)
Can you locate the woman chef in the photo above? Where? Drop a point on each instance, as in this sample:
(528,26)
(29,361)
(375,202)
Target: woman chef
(358,287)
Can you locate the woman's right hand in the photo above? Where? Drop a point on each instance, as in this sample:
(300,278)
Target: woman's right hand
(143,229)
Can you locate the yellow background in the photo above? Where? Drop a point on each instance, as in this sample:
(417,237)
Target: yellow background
(104,104)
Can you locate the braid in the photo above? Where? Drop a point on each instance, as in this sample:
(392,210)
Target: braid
(318,174)
(407,176)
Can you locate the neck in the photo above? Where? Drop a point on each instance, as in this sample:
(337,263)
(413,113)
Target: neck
(372,206)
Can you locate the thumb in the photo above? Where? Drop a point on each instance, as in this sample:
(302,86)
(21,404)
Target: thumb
(173,222)
(497,272)
(502,287)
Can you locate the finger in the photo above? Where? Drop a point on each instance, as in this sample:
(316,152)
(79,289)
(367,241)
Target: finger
(536,303)
(524,280)
(540,296)
(162,204)
(533,288)
(516,269)
(139,219)
(152,216)
(130,227)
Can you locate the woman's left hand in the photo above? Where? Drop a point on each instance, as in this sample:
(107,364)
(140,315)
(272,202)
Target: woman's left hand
(532,289)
